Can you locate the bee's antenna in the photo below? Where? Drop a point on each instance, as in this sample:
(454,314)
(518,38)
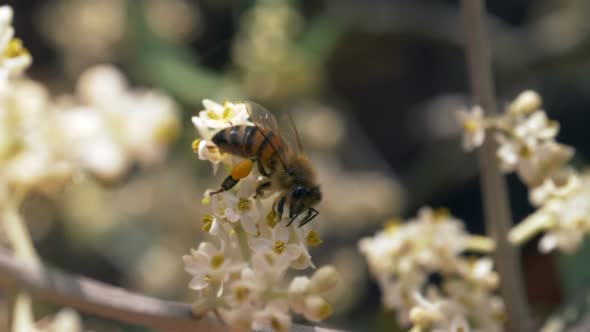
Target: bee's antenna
(291,221)
(310,217)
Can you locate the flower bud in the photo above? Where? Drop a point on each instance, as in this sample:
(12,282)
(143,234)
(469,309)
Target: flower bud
(66,320)
(526,102)
(316,309)
(297,291)
(324,280)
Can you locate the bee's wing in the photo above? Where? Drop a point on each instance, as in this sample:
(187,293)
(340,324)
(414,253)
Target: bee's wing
(265,121)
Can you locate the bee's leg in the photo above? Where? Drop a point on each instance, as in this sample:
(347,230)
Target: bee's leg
(279,206)
(238,172)
(262,187)
(311,213)
(262,170)
(226,185)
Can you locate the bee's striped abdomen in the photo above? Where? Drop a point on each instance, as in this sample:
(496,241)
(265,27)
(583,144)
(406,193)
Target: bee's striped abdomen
(248,142)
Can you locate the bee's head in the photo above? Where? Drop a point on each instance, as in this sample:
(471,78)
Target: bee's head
(303,197)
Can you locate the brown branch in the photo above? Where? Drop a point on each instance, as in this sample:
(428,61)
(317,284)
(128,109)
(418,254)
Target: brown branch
(498,219)
(100,299)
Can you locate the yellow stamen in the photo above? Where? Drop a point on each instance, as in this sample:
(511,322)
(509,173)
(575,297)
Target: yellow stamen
(471,126)
(525,152)
(279,247)
(276,324)
(15,49)
(440,214)
(207,278)
(392,225)
(167,132)
(212,115)
(217,261)
(313,239)
(244,204)
(325,311)
(207,222)
(272,219)
(195,145)
(242,293)
(226,112)
(206,200)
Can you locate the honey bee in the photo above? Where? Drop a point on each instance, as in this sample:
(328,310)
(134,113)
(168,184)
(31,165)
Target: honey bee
(280,160)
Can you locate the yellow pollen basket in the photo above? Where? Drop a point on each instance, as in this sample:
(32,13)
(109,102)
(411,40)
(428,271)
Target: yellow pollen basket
(279,247)
(242,169)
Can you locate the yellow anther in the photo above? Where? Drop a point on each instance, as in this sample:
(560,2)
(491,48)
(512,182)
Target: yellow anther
(212,115)
(226,112)
(440,214)
(242,293)
(279,247)
(313,239)
(206,200)
(207,222)
(195,145)
(392,225)
(15,49)
(217,261)
(244,204)
(272,219)
(242,169)
(471,126)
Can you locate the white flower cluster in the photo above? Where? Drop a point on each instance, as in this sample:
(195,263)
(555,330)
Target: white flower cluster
(45,141)
(241,273)
(404,258)
(110,126)
(212,119)
(14,57)
(527,146)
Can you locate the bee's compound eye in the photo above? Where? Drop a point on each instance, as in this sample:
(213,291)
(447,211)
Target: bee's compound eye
(299,192)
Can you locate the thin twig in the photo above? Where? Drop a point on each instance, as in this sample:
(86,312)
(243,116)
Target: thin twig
(96,298)
(498,218)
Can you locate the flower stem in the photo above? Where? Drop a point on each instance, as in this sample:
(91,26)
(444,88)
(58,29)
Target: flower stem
(496,207)
(243,240)
(22,318)
(18,234)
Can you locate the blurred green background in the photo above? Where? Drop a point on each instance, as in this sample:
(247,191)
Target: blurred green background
(381,80)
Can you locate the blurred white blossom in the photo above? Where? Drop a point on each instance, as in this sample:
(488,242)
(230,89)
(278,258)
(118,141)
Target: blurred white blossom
(67,24)
(113,126)
(474,126)
(14,57)
(242,272)
(31,149)
(527,146)
(403,256)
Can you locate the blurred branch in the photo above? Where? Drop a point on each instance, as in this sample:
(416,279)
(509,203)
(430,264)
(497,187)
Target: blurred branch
(173,68)
(498,219)
(96,298)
